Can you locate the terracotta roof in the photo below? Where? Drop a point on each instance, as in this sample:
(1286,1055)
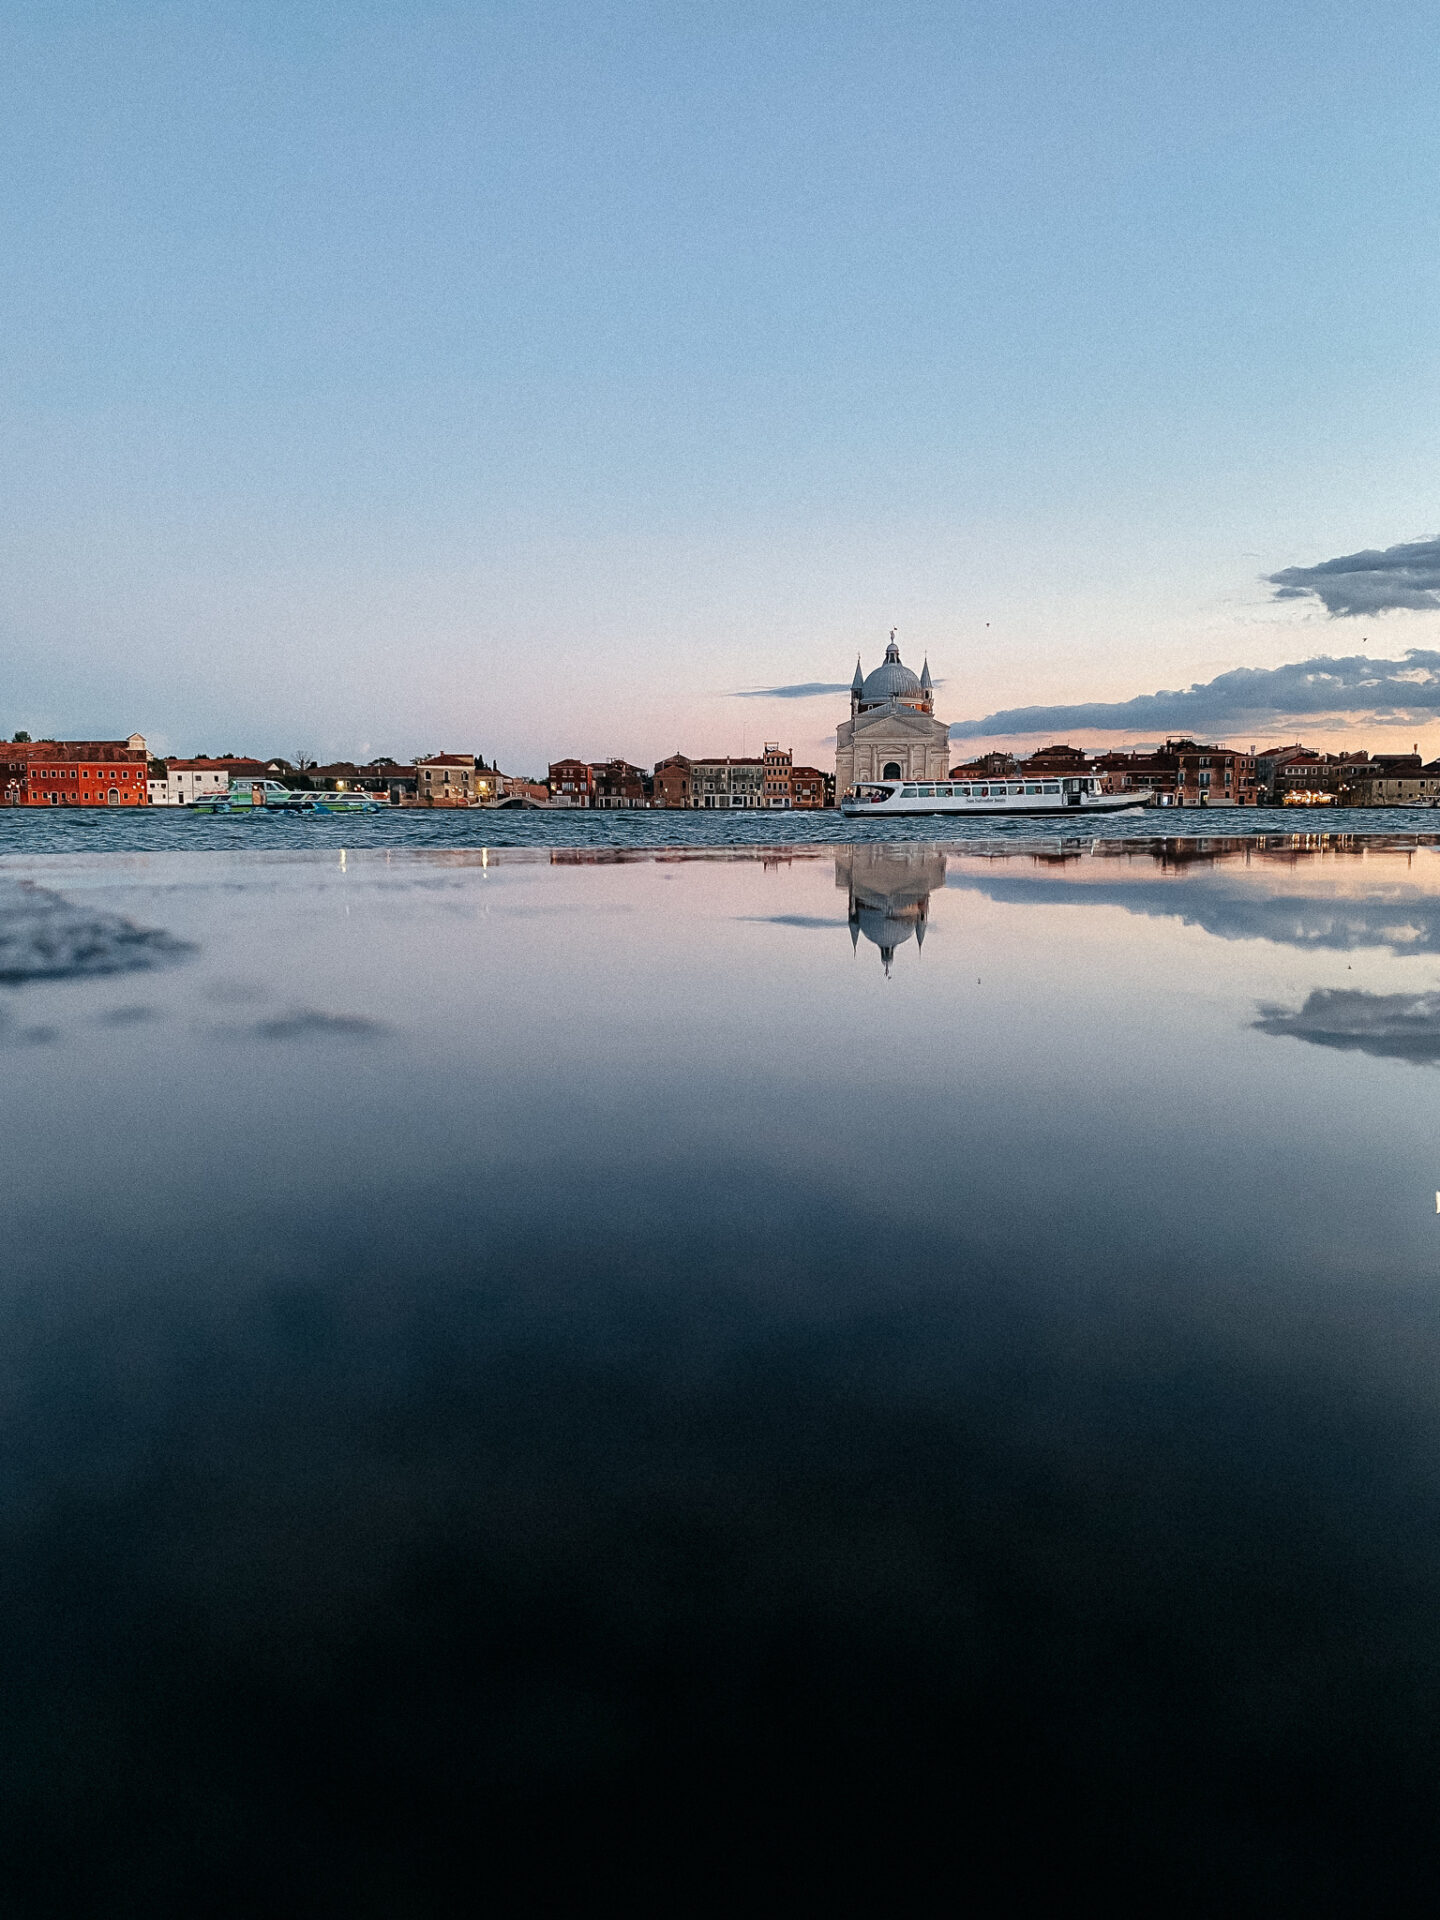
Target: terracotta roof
(204,766)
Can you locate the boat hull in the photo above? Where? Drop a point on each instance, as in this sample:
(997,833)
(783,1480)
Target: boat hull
(294,805)
(1027,806)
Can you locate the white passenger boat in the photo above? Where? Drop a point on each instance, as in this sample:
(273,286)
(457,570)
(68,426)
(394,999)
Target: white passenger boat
(1069,793)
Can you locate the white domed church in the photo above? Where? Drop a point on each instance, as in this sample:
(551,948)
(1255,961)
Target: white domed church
(892,732)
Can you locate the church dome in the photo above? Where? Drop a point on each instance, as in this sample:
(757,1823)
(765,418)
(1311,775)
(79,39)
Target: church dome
(891,680)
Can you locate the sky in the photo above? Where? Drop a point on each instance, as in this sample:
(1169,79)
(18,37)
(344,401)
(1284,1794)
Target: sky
(585,378)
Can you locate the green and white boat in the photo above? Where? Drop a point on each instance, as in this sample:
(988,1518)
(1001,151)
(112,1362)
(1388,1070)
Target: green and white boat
(269,796)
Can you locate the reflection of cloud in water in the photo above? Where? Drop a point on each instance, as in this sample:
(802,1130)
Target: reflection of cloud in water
(1393,1026)
(792,920)
(305,1024)
(45,937)
(1223,889)
(889,888)
(12,1034)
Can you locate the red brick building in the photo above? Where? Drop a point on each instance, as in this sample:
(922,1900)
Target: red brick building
(571,783)
(1214,776)
(1184,773)
(778,764)
(673,786)
(990,766)
(74,773)
(809,788)
(618,785)
(1057,759)
(1157,773)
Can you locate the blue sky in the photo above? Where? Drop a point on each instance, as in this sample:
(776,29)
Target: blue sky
(537,378)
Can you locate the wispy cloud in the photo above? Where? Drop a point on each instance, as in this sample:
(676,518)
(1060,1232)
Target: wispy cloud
(803,690)
(1364,583)
(1248,697)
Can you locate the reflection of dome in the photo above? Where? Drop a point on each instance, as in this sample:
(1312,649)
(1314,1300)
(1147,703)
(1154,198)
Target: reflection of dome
(891,680)
(889,888)
(887,930)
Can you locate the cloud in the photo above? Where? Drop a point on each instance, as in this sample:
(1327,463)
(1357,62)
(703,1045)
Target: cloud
(44,937)
(803,690)
(1252,698)
(793,920)
(1393,1026)
(1369,582)
(305,1024)
(1228,906)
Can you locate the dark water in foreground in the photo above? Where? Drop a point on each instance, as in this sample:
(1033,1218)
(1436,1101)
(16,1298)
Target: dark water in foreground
(881,1378)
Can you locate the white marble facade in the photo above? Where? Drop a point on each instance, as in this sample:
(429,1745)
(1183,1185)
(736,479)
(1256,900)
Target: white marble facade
(892,732)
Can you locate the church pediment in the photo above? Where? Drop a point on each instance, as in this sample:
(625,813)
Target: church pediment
(898,720)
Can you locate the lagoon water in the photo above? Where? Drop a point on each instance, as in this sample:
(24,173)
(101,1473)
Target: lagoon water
(878,1375)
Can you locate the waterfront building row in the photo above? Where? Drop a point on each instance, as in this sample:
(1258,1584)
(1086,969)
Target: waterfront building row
(770,780)
(1187,773)
(1182,773)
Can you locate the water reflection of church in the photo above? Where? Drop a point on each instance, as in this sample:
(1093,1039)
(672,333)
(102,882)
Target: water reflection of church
(889,888)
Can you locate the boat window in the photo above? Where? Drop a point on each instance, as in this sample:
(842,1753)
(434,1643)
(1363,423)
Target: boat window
(1033,786)
(927,793)
(945,793)
(909,793)
(1052,786)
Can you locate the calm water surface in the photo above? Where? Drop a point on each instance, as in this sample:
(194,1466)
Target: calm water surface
(885,1376)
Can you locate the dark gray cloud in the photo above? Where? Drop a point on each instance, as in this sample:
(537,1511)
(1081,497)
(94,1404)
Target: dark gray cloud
(1371,582)
(1252,699)
(305,1024)
(1393,1026)
(44,937)
(1230,907)
(802,690)
(793,920)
